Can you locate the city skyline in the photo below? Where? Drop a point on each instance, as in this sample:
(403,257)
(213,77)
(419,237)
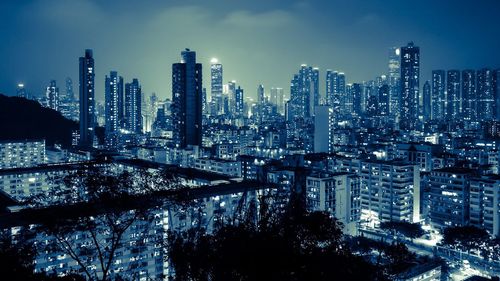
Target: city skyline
(281,38)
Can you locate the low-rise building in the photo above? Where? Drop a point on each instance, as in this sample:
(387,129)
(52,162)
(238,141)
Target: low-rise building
(19,154)
(485,203)
(337,194)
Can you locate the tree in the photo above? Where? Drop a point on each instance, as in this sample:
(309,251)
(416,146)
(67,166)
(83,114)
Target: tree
(294,245)
(465,237)
(399,257)
(102,210)
(410,230)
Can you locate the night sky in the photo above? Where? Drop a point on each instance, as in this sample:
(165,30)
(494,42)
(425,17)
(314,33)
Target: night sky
(256,41)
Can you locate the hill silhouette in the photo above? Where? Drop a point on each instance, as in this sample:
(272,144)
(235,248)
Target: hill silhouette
(26,119)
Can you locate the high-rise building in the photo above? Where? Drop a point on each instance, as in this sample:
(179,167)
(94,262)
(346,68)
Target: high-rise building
(484,211)
(394,65)
(453,97)
(21,91)
(315,88)
(438,94)
(216,84)
(260,95)
(427,101)
(186,99)
(204,101)
(133,107)
(70,95)
(277,99)
(449,195)
(52,95)
(336,91)
(261,100)
(485,94)
(394,78)
(239,101)
(281,101)
(324,119)
(469,104)
(410,82)
(383,100)
(356,92)
(87,100)
(273,96)
(302,91)
(496,96)
(113,96)
(390,190)
(230,94)
(330,84)
(335,193)
(340,92)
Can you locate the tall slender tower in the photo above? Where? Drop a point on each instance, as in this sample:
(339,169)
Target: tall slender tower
(239,103)
(485,94)
(70,96)
(438,94)
(394,79)
(453,97)
(52,95)
(427,108)
(113,90)
(133,107)
(187,100)
(87,100)
(216,84)
(410,82)
(469,105)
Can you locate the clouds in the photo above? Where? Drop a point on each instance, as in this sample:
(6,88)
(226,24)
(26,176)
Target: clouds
(258,42)
(247,19)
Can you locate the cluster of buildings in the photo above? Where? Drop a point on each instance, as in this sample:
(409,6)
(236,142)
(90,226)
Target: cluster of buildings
(385,150)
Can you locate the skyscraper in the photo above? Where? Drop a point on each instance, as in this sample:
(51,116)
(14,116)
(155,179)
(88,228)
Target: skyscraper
(231,97)
(113,96)
(302,90)
(133,107)
(394,79)
(260,102)
(330,78)
(239,101)
(273,96)
(356,92)
(427,101)
(52,95)
(87,101)
(70,95)
(383,100)
(186,99)
(485,94)
(260,95)
(280,100)
(323,129)
(216,84)
(453,97)
(410,82)
(21,91)
(315,89)
(438,94)
(469,104)
(496,88)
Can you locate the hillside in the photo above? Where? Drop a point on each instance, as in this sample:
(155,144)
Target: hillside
(26,119)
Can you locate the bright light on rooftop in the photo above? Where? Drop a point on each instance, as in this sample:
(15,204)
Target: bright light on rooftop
(214,60)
